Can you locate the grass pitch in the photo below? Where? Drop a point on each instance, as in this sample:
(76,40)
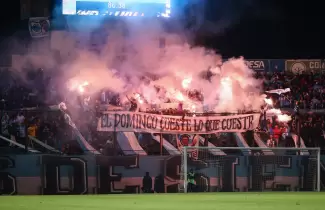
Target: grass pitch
(206,201)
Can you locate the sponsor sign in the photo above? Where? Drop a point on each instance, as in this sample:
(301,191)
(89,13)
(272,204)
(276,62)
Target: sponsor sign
(258,65)
(303,66)
(277,65)
(39,27)
(153,123)
(323,66)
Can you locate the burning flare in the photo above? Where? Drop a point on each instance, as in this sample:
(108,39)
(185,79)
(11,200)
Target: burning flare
(284,117)
(186,83)
(78,86)
(276,112)
(138,97)
(268,101)
(81,87)
(226,91)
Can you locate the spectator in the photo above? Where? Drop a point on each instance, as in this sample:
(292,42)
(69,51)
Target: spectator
(191,187)
(4,125)
(21,126)
(32,129)
(45,132)
(307,91)
(147,183)
(160,184)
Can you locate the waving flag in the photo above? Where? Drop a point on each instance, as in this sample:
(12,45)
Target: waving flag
(279,91)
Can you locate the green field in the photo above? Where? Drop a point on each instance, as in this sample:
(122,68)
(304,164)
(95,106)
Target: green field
(206,201)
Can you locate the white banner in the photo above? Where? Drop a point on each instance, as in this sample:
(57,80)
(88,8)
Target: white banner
(153,123)
(39,27)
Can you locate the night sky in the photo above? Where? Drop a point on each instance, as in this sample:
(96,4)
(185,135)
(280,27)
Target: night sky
(253,28)
(275,29)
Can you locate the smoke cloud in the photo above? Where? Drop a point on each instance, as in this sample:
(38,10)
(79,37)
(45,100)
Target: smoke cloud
(119,56)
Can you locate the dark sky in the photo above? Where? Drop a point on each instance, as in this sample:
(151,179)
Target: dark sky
(276,29)
(253,28)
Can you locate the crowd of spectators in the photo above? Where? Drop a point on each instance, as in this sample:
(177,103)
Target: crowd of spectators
(170,111)
(26,127)
(49,126)
(308,93)
(308,89)
(312,131)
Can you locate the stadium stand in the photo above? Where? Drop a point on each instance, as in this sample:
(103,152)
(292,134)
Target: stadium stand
(49,128)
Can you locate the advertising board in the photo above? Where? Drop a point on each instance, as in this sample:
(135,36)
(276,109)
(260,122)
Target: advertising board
(304,66)
(88,174)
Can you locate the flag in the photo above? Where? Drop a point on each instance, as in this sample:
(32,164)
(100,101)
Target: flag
(279,91)
(39,27)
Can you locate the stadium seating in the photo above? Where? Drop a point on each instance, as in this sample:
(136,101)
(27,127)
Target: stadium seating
(54,132)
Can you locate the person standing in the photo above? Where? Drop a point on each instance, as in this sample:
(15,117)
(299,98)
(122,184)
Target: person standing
(147,183)
(159,184)
(191,187)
